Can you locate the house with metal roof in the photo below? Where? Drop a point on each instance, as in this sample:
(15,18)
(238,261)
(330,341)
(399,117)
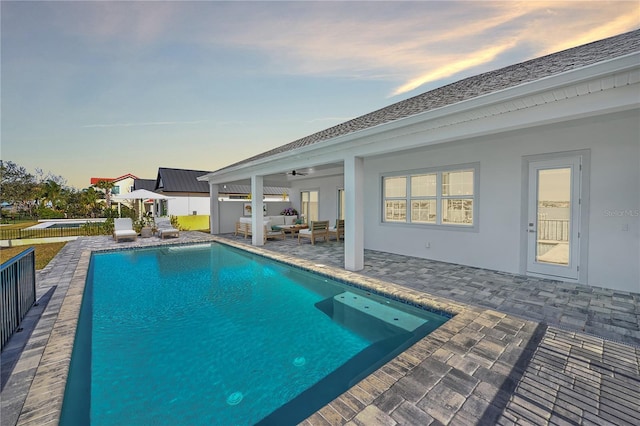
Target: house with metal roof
(189,196)
(531,169)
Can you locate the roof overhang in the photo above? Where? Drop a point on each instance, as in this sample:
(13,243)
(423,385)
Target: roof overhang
(610,85)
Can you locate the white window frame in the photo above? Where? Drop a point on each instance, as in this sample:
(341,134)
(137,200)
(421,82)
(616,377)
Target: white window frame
(439,197)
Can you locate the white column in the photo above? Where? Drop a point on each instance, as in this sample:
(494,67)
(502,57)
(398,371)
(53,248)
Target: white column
(257,219)
(214,210)
(354,213)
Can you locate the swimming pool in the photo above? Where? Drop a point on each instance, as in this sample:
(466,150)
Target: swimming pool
(208,334)
(64,223)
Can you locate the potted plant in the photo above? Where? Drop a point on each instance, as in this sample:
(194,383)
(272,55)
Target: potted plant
(289,211)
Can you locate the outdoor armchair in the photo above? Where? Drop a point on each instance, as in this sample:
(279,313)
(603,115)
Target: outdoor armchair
(337,230)
(317,229)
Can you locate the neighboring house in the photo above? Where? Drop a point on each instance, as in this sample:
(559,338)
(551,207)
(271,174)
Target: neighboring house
(531,169)
(189,196)
(122,185)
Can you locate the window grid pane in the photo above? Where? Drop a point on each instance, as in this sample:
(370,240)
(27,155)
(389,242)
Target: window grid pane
(423,211)
(457,211)
(395,187)
(423,185)
(457,183)
(396,211)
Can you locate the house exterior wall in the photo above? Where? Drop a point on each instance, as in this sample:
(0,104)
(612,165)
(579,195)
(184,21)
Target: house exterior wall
(124,185)
(614,222)
(185,204)
(327,188)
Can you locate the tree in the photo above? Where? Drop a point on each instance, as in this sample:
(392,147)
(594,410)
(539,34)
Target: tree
(17,186)
(51,193)
(89,199)
(106,186)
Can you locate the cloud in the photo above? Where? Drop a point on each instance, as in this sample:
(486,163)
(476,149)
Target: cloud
(407,44)
(142,124)
(456,66)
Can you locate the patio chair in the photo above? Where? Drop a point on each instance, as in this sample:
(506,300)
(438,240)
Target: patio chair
(317,229)
(123,228)
(337,230)
(273,233)
(165,229)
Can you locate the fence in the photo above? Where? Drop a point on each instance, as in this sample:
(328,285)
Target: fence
(85,229)
(553,230)
(18,281)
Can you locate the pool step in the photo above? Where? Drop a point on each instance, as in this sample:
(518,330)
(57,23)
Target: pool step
(381,311)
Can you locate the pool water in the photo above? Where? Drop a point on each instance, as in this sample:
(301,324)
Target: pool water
(65,225)
(212,335)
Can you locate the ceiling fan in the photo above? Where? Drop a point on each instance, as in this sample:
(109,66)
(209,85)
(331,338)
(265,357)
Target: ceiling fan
(296,173)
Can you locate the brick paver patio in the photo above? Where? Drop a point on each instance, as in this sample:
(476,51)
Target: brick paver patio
(518,351)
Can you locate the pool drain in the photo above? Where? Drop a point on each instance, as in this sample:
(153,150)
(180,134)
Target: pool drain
(235,398)
(299,361)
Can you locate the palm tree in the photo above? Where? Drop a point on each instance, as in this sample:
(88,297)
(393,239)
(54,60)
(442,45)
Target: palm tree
(90,202)
(106,186)
(51,191)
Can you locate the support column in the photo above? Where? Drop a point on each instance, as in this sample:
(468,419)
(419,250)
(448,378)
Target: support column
(354,213)
(214,210)
(257,218)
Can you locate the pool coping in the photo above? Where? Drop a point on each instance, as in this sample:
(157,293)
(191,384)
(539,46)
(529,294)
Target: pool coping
(492,340)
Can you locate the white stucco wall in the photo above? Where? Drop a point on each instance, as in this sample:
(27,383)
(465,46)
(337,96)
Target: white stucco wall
(614,222)
(231,211)
(181,205)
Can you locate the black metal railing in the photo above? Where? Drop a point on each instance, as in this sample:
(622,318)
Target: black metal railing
(18,282)
(83,230)
(553,230)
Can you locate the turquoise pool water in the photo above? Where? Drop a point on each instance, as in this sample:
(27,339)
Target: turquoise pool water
(210,335)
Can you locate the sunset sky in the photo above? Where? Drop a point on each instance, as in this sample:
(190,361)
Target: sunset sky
(104,89)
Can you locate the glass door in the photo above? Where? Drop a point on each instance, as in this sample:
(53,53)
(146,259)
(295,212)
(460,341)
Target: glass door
(553,217)
(309,205)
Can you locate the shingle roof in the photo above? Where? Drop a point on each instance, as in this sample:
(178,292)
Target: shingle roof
(181,180)
(472,87)
(148,184)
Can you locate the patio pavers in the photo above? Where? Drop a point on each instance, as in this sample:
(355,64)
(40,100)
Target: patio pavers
(515,353)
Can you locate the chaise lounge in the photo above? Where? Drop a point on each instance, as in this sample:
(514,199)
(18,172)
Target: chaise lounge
(165,229)
(123,228)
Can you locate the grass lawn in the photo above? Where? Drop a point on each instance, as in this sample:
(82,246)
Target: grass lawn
(44,252)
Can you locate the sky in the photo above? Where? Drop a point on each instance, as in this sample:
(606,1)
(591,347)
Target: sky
(106,88)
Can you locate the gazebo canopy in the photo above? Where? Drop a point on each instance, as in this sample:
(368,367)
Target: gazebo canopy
(140,194)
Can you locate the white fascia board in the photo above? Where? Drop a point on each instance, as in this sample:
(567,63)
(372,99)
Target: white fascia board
(327,150)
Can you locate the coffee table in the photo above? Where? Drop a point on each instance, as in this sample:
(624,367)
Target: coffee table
(292,229)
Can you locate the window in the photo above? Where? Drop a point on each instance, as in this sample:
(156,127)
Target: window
(436,197)
(115,190)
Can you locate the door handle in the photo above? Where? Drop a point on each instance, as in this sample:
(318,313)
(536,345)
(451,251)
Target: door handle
(532,230)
